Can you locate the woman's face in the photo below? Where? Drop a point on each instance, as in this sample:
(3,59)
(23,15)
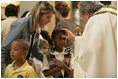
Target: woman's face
(45,18)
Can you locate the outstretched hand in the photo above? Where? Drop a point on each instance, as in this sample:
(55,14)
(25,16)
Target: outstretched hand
(70,36)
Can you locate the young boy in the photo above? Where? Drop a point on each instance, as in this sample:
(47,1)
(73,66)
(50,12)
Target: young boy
(37,64)
(59,61)
(19,68)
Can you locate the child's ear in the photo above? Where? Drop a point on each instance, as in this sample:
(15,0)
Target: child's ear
(25,52)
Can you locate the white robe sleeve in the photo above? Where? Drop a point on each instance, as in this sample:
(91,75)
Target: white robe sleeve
(96,49)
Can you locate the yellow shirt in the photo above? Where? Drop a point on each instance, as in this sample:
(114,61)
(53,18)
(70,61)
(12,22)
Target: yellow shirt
(25,71)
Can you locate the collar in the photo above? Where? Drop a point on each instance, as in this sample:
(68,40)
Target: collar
(106,9)
(60,53)
(22,68)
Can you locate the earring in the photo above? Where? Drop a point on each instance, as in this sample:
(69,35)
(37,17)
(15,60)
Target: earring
(53,45)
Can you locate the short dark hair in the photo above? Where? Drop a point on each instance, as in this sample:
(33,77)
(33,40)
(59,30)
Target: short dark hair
(25,44)
(55,32)
(63,8)
(11,10)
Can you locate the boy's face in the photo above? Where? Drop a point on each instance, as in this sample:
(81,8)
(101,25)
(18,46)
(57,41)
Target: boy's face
(17,52)
(60,41)
(44,48)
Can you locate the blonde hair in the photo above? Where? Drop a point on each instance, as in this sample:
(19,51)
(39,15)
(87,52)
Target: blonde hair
(42,7)
(43,42)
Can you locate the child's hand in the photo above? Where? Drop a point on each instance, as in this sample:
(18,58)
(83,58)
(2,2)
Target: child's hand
(66,61)
(30,61)
(59,63)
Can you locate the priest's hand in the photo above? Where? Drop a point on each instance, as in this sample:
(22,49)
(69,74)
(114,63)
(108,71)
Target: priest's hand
(70,36)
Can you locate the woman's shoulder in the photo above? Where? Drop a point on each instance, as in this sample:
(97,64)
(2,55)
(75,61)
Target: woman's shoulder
(23,20)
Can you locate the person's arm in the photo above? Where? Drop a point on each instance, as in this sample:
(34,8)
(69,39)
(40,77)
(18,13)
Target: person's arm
(68,70)
(51,71)
(14,33)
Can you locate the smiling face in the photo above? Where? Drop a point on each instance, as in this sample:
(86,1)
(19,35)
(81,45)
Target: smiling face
(59,41)
(45,18)
(17,52)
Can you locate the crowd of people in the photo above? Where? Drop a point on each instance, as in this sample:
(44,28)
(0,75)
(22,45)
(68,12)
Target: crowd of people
(28,51)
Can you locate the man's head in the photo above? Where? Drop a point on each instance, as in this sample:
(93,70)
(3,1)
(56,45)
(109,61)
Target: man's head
(88,8)
(19,49)
(11,10)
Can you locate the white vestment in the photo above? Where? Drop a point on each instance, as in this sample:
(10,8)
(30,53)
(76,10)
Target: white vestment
(96,49)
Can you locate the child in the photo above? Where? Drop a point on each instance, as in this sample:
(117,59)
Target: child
(19,68)
(37,64)
(59,61)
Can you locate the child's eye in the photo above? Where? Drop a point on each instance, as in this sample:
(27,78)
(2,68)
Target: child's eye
(15,49)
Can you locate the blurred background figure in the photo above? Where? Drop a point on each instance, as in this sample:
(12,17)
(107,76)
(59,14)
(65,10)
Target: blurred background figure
(62,12)
(77,17)
(11,11)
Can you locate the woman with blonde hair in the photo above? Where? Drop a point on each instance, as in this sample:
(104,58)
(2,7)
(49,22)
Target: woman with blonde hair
(28,28)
